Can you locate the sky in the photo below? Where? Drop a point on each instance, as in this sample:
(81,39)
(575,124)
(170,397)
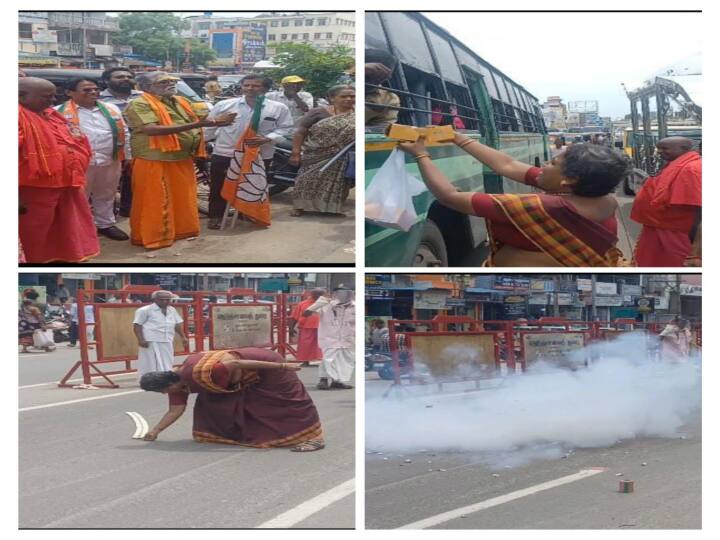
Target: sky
(580,56)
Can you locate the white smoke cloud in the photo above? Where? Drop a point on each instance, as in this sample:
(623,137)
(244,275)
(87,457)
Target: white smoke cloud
(545,412)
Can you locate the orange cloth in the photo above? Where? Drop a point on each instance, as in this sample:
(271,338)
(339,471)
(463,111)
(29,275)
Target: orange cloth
(170,143)
(246,186)
(313,321)
(671,199)
(50,155)
(164,207)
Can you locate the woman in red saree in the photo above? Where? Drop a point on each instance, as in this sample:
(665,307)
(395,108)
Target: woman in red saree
(248,397)
(573,224)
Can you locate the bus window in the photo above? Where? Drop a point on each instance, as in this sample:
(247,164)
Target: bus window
(408,40)
(425,88)
(511,90)
(466,115)
(374,35)
(447,63)
(501,88)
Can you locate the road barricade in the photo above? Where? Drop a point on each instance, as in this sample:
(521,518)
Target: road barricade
(240,318)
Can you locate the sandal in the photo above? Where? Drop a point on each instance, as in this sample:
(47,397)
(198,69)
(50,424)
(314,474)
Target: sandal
(309,446)
(323,385)
(340,386)
(214,224)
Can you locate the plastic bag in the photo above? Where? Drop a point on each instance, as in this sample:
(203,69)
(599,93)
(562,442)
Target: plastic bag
(388,198)
(43,339)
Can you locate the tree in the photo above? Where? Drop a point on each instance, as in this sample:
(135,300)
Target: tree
(321,69)
(156,36)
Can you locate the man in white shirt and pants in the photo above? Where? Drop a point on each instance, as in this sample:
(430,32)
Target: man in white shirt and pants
(336,337)
(275,123)
(107,132)
(155,327)
(293,97)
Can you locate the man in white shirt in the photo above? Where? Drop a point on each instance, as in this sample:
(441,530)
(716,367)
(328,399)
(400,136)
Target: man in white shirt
(155,327)
(336,337)
(293,97)
(103,125)
(275,123)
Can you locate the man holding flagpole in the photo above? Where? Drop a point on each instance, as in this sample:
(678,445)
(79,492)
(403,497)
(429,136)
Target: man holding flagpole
(244,150)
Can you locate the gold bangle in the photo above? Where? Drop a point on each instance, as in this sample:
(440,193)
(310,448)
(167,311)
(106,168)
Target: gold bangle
(422,155)
(465,143)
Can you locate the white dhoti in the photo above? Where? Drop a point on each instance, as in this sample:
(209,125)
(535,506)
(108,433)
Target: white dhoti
(157,356)
(337,364)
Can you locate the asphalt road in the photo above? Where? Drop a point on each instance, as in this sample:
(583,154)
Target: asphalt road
(667,488)
(80,468)
(311,238)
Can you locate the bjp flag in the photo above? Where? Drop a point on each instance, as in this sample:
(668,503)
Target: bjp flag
(246,186)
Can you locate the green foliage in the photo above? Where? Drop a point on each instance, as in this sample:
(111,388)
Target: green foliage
(156,36)
(321,69)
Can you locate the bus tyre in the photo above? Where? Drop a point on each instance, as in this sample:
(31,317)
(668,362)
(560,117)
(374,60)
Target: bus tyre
(431,251)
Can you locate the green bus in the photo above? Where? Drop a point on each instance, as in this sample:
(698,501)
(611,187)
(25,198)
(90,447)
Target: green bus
(441,81)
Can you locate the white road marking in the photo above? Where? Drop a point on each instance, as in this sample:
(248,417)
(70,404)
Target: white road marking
(502,499)
(58,404)
(70,381)
(141,426)
(310,507)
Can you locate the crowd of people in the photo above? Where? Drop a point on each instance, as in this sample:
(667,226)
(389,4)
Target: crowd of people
(139,137)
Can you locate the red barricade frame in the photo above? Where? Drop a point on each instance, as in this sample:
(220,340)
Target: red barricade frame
(511,332)
(194,315)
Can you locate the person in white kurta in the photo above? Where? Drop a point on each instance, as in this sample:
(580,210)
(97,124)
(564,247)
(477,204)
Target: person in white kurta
(155,327)
(336,337)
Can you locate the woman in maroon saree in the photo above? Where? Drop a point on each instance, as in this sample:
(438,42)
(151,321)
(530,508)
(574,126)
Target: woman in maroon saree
(248,397)
(572,224)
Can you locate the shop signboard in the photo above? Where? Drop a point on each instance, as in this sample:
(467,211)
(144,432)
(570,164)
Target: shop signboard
(584,284)
(538,299)
(455,302)
(511,283)
(608,301)
(274,285)
(606,289)
(430,299)
(631,290)
(542,285)
(376,279)
(484,282)
(687,289)
(565,299)
(167,281)
(378,293)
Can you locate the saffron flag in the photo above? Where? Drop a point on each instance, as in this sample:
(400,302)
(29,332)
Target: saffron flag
(246,186)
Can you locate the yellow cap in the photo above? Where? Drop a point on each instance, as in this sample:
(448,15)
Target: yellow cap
(292,79)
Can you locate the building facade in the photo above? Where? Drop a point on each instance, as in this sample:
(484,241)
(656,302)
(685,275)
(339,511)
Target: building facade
(72,38)
(602,297)
(321,29)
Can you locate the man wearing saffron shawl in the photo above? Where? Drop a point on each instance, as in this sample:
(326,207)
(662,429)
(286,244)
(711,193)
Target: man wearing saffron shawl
(669,207)
(56,224)
(165,136)
(107,133)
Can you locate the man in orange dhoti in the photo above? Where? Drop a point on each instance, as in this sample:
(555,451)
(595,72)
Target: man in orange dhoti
(669,208)
(165,136)
(56,224)
(308,349)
